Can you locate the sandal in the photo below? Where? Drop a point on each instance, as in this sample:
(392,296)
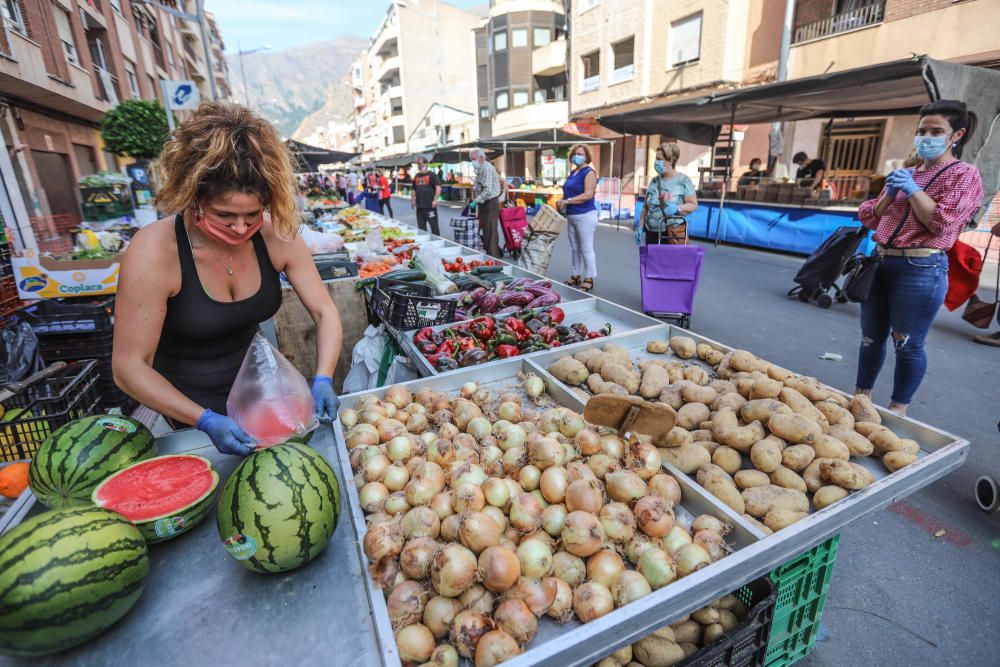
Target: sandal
(587,285)
(573,281)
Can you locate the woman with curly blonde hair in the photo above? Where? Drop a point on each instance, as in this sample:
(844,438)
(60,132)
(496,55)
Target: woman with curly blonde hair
(194,287)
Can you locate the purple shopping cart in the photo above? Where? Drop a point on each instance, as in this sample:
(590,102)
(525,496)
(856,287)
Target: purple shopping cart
(669,275)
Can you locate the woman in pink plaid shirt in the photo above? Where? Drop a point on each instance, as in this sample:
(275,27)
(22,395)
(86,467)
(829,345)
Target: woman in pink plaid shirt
(914,229)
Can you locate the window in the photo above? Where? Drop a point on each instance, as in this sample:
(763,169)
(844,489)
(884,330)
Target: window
(116,5)
(65,34)
(684,46)
(170,55)
(396,106)
(484,112)
(542,36)
(500,41)
(12,12)
(588,4)
(518,37)
(502,101)
(540,96)
(398,134)
(520,98)
(133,82)
(591,71)
(624,58)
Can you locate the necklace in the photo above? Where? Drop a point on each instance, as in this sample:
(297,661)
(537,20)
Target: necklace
(227,267)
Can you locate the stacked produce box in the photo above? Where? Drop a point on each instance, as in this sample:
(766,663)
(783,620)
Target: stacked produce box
(9,301)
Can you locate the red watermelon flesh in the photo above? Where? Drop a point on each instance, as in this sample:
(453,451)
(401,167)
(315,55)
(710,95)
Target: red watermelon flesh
(275,422)
(158,487)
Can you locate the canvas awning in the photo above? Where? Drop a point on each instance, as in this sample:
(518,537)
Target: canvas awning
(895,88)
(309,158)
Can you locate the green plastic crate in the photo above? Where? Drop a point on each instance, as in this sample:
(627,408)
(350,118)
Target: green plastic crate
(802,585)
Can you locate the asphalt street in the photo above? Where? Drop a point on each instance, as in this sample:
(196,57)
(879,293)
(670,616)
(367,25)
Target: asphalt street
(915,583)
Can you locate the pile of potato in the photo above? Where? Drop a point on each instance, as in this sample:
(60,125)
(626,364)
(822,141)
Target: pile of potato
(761,439)
(683,638)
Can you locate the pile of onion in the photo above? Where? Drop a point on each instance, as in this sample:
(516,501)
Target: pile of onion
(486,513)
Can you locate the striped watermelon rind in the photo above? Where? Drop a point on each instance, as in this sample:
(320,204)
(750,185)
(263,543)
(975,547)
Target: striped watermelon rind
(66,576)
(170,524)
(79,455)
(279,508)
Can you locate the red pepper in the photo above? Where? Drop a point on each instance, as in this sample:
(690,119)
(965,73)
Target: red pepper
(446,349)
(548,334)
(467,344)
(507,351)
(556,343)
(422,335)
(483,328)
(594,334)
(556,314)
(514,324)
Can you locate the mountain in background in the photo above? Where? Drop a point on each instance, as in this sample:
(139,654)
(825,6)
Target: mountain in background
(288,86)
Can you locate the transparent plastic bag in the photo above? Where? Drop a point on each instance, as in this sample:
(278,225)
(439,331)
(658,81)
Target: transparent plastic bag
(270,399)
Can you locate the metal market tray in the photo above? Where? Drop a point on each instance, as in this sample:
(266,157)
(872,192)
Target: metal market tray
(592,311)
(576,644)
(195,594)
(554,639)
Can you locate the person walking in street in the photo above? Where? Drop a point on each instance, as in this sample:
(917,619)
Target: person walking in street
(670,197)
(917,218)
(352,186)
(578,206)
(426,190)
(486,200)
(342,185)
(384,194)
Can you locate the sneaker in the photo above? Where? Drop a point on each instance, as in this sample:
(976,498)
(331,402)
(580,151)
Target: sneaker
(988,339)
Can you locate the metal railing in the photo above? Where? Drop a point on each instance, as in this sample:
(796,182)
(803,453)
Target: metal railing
(868,14)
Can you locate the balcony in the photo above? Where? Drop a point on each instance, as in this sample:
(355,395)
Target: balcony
(531,117)
(388,68)
(622,74)
(549,60)
(590,83)
(867,15)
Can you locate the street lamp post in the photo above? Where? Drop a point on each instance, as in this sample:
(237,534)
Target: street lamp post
(243,72)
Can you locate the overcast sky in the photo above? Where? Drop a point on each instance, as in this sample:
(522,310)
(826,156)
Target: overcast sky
(285,23)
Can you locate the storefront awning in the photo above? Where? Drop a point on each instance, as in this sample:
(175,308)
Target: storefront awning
(309,158)
(888,89)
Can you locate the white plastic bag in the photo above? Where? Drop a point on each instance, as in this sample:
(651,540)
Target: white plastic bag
(365,360)
(270,399)
(320,242)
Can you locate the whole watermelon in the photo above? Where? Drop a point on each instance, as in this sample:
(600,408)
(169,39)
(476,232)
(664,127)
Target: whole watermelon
(279,508)
(77,457)
(67,576)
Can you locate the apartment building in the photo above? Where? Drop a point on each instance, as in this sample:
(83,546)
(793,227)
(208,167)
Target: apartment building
(63,65)
(420,55)
(625,54)
(220,68)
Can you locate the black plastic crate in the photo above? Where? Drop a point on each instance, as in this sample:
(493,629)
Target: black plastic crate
(45,406)
(745,646)
(333,268)
(406,305)
(67,347)
(71,316)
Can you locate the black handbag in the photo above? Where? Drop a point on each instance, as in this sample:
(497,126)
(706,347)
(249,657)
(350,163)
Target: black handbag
(861,269)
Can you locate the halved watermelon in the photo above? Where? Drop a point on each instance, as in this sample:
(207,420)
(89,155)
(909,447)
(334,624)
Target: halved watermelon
(164,496)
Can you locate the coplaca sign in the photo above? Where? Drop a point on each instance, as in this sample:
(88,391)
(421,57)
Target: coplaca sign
(181,95)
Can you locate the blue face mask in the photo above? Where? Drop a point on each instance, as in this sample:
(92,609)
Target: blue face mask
(930,148)
(578,160)
(660,166)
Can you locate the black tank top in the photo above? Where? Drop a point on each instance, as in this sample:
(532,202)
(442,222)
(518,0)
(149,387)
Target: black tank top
(203,341)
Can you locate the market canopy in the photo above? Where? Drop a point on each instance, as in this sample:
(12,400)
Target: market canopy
(535,139)
(895,88)
(309,158)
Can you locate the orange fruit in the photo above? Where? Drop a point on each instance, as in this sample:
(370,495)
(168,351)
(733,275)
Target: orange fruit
(13,479)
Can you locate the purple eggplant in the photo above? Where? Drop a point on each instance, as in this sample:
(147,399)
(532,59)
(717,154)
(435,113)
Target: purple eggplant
(488,304)
(504,312)
(461,315)
(515,298)
(473,296)
(549,299)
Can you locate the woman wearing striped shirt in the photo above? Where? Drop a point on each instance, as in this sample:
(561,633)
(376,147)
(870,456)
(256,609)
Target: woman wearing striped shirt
(912,279)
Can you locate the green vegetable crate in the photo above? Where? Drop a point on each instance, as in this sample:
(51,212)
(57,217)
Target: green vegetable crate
(802,585)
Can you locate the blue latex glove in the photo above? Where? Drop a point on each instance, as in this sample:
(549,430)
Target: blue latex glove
(226,434)
(903,180)
(670,208)
(890,190)
(472,206)
(638,231)
(327,403)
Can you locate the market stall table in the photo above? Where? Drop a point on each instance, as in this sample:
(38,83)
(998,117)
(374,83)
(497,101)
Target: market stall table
(797,228)
(200,607)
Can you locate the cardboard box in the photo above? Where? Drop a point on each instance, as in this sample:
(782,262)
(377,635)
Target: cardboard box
(49,278)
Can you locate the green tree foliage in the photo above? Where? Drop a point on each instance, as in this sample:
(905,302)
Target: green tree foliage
(136,128)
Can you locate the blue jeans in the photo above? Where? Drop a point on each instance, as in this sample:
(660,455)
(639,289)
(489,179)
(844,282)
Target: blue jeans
(905,297)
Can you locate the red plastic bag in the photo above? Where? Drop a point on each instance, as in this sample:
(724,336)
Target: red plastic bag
(270,399)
